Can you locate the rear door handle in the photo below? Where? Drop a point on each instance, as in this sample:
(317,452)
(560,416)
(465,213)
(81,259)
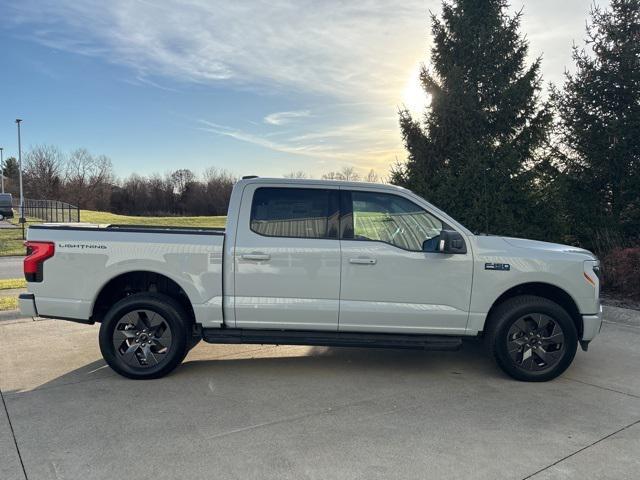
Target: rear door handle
(363,261)
(256,256)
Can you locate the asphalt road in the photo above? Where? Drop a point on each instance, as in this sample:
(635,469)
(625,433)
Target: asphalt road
(243,412)
(11,267)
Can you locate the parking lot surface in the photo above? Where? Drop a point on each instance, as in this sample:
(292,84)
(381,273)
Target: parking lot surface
(269,412)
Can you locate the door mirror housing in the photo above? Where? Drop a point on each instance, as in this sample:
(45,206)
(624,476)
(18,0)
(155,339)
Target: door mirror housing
(449,241)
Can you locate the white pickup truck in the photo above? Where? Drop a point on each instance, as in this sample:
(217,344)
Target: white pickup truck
(309,262)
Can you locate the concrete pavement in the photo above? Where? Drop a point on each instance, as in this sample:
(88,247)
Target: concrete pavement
(249,411)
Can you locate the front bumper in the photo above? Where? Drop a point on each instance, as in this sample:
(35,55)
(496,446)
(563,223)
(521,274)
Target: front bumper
(591,325)
(27,302)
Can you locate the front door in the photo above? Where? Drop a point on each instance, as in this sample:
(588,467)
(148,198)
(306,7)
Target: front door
(391,280)
(287,258)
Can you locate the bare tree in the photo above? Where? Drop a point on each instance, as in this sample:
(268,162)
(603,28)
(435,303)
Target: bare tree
(294,174)
(372,176)
(332,176)
(162,196)
(43,172)
(348,174)
(181,179)
(88,179)
(218,186)
(213,174)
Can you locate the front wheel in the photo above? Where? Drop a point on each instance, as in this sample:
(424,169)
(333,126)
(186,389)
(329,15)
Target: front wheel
(531,338)
(145,336)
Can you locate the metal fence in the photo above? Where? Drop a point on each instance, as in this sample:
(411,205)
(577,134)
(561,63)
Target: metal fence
(48,210)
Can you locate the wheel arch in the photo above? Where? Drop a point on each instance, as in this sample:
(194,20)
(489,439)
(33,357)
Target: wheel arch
(544,290)
(136,281)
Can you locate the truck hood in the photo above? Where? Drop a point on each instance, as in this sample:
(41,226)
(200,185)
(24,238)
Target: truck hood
(548,247)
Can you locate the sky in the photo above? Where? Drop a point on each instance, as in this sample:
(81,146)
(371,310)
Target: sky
(253,87)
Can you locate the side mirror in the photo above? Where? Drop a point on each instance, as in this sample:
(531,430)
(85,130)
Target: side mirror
(449,241)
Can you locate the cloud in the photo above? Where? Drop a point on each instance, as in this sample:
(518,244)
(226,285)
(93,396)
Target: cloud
(368,145)
(350,58)
(281,118)
(344,49)
(357,54)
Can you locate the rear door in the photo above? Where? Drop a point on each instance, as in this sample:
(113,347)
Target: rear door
(287,258)
(392,278)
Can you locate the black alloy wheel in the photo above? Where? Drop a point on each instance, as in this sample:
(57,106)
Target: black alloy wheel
(145,335)
(531,338)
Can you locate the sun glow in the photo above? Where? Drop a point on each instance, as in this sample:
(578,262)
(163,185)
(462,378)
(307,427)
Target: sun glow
(413,96)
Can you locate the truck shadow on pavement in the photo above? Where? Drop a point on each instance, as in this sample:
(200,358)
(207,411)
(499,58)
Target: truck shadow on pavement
(339,361)
(304,365)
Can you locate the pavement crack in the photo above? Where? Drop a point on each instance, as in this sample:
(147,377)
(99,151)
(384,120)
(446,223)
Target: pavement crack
(13,435)
(602,388)
(293,418)
(582,449)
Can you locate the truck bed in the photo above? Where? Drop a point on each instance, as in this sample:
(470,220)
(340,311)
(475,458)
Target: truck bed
(89,256)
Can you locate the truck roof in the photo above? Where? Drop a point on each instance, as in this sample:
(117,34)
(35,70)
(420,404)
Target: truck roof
(313,181)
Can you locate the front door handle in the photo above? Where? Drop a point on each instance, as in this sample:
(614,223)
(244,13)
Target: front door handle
(256,256)
(363,261)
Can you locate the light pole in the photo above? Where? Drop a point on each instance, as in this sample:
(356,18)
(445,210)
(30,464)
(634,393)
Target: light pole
(2,169)
(20,176)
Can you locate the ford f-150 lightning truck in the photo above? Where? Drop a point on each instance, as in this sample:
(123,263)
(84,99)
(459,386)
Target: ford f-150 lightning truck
(310,262)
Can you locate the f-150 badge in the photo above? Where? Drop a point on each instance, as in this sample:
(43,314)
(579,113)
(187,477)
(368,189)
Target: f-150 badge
(505,267)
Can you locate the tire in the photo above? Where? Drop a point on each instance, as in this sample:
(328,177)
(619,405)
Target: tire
(145,336)
(531,338)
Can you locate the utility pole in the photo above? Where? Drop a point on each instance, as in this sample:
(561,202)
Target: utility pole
(2,168)
(22,220)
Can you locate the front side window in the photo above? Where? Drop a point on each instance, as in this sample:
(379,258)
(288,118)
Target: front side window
(293,212)
(395,220)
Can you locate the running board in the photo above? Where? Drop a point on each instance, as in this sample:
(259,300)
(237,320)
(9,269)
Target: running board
(331,339)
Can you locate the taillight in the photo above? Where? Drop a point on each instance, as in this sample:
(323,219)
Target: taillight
(37,253)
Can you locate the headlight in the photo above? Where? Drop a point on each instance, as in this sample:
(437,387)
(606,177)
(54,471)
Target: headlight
(596,270)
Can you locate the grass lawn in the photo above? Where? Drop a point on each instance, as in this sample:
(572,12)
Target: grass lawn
(11,242)
(92,216)
(10,283)
(8,303)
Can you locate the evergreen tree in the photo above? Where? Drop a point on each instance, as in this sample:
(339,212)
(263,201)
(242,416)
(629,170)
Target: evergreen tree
(474,150)
(11,168)
(599,113)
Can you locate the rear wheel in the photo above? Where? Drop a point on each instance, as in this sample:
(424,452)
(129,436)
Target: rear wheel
(145,335)
(531,338)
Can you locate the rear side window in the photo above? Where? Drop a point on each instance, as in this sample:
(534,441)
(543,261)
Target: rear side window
(295,212)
